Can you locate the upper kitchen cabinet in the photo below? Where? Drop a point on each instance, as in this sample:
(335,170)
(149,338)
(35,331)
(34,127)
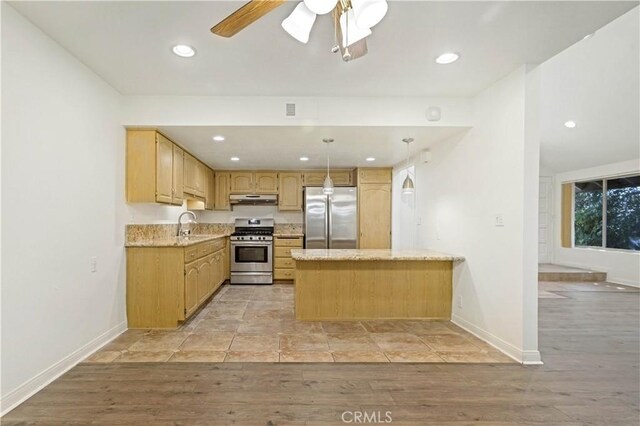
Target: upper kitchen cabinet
(210,187)
(222,190)
(374,175)
(241,182)
(290,198)
(339,177)
(266,182)
(194,176)
(154,168)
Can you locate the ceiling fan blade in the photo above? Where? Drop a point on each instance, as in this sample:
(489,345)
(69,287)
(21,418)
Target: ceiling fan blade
(246,15)
(357,49)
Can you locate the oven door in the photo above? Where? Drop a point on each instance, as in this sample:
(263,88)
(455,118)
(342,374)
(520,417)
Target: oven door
(251,256)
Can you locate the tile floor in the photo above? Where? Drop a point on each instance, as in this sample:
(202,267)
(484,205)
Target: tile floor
(256,324)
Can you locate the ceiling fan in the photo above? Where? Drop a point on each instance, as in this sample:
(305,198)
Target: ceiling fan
(352,20)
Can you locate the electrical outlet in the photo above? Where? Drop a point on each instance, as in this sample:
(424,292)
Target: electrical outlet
(499,219)
(460,302)
(94,264)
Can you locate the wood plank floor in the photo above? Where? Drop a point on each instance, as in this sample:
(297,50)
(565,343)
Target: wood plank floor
(589,342)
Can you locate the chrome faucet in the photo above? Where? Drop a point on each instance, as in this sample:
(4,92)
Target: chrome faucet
(185,233)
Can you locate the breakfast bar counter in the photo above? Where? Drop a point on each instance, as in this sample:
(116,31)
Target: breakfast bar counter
(373,284)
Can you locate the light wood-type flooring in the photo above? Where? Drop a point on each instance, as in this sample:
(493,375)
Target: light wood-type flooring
(589,339)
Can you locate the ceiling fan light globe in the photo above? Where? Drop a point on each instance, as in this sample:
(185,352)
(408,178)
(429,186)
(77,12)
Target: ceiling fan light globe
(369,13)
(351,33)
(299,23)
(320,7)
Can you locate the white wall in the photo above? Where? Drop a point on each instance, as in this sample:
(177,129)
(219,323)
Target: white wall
(403,227)
(471,178)
(62,203)
(621,266)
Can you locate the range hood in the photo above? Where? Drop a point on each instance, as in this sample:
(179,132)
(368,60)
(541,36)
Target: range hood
(253,200)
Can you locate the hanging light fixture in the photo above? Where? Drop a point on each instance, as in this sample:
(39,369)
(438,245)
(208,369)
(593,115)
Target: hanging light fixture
(407,186)
(299,23)
(327,187)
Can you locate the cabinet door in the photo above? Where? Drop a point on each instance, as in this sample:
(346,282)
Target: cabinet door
(217,271)
(374,212)
(190,171)
(241,182)
(190,288)
(375,175)
(201,178)
(266,182)
(342,177)
(226,266)
(204,278)
(209,197)
(222,185)
(178,175)
(313,178)
(164,169)
(290,194)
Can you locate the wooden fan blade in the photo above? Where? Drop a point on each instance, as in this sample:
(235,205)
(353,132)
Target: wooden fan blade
(246,15)
(357,49)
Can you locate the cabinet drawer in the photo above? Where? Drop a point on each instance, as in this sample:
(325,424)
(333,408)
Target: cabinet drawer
(190,254)
(284,262)
(283,251)
(288,242)
(284,274)
(205,249)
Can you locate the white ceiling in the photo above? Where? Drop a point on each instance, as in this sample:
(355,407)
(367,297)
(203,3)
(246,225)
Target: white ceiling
(128,44)
(595,83)
(280,147)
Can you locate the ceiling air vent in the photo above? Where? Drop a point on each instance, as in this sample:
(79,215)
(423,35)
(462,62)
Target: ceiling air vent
(291,110)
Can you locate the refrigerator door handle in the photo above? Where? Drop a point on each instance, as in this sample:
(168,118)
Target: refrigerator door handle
(329,222)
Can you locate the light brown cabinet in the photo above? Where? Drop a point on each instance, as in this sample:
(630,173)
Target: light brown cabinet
(283,264)
(210,190)
(290,191)
(194,176)
(166,285)
(266,182)
(339,177)
(153,170)
(223,187)
(241,183)
(374,215)
(374,175)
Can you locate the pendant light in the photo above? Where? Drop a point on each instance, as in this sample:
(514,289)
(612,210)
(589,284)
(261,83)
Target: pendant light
(327,188)
(407,186)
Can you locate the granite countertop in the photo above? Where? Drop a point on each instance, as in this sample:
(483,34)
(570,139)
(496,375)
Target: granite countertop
(371,254)
(175,241)
(288,234)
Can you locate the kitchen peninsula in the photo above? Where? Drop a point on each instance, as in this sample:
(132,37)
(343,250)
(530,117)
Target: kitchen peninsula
(373,284)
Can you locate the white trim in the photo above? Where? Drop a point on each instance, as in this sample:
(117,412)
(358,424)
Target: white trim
(523,357)
(26,390)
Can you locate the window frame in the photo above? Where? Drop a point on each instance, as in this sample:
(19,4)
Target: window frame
(604,180)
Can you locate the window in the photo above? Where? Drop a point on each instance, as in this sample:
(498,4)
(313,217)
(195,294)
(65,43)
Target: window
(606,213)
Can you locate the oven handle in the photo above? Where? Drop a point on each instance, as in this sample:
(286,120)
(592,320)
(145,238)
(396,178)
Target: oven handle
(251,243)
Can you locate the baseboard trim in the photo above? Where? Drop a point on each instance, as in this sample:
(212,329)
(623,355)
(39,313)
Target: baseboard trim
(35,384)
(523,357)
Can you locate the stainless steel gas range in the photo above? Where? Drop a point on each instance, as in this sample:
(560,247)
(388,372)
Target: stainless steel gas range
(252,252)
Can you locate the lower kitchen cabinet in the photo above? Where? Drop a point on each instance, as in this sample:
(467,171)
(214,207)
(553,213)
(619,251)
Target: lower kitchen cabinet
(166,285)
(283,264)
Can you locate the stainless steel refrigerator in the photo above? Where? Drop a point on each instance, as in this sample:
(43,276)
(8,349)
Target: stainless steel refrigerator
(331,221)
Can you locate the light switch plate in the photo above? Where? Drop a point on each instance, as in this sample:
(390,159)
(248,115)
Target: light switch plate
(499,219)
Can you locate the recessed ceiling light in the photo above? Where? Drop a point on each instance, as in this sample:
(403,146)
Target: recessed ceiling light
(570,124)
(588,36)
(218,138)
(370,159)
(304,158)
(235,158)
(184,50)
(447,58)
